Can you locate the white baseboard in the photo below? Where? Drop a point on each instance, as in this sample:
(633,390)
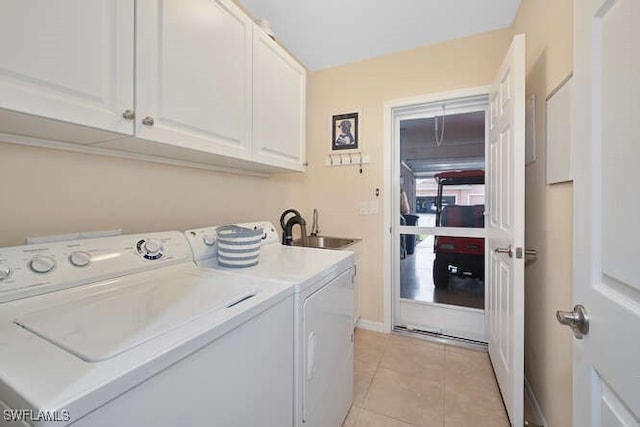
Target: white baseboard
(535,406)
(370,325)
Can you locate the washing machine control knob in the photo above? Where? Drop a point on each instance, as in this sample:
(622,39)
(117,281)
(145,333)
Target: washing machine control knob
(42,264)
(80,259)
(150,249)
(5,272)
(209,239)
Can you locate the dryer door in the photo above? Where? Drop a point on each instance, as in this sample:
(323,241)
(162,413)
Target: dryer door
(328,352)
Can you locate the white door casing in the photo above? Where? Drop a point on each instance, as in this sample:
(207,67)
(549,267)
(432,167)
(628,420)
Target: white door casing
(505,229)
(606,375)
(446,319)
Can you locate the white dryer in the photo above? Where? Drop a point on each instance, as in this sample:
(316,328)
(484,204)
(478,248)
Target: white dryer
(323,285)
(128,331)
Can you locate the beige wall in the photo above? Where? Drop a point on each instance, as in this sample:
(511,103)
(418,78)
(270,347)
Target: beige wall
(54,192)
(365,86)
(548,25)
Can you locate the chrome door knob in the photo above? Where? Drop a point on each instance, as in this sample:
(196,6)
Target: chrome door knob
(148,121)
(577,320)
(508,251)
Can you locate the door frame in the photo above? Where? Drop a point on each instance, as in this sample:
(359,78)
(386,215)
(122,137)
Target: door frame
(394,109)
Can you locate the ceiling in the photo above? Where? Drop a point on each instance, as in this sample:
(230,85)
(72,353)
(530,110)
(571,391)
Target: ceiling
(329,33)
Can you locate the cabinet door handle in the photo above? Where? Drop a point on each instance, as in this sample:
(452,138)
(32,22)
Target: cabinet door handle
(148,121)
(129,115)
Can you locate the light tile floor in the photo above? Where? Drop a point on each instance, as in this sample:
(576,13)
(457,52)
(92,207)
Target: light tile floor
(403,382)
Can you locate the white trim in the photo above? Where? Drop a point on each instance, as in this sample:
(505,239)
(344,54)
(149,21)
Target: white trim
(393,110)
(443,231)
(90,149)
(535,406)
(451,320)
(370,325)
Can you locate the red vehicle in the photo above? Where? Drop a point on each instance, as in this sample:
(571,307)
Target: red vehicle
(462,256)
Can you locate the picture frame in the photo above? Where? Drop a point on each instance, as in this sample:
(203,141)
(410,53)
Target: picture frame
(345,132)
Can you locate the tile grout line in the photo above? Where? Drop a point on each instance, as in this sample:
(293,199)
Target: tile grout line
(378,367)
(375,373)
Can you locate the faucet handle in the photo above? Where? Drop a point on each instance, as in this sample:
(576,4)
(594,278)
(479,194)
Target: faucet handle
(315,228)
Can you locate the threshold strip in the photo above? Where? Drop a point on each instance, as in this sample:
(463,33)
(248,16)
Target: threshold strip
(441,338)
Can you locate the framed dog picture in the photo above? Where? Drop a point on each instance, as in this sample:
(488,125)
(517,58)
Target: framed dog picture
(345,132)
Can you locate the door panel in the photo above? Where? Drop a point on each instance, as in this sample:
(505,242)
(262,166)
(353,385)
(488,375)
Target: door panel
(279,85)
(605,110)
(68,60)
(614,413)
(198,100)
(506,230)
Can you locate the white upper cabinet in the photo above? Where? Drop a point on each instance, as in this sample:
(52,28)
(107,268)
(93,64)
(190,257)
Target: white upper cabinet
(279,86)
(193,75)
(68,60)
(192,82)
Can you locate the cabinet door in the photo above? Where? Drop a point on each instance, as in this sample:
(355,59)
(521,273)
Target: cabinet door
(193,75)
(279,85)
(68,60)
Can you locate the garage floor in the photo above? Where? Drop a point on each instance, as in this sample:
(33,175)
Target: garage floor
(416,281)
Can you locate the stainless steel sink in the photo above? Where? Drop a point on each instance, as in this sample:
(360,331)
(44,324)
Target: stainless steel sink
(325,242)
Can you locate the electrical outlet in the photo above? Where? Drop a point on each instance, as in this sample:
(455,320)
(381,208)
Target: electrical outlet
(373,207)
(364,208)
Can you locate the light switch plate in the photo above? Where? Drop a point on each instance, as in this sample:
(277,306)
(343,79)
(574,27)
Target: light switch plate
(373,207)
(364,208)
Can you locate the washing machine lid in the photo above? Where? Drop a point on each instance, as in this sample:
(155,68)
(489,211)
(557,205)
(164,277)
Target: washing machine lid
(102,325)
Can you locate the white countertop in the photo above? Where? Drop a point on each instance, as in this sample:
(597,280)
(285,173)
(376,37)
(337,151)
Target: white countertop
(299,266)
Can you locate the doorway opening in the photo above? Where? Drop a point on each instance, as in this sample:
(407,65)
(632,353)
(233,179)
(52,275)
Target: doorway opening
(436,163)
(443,186)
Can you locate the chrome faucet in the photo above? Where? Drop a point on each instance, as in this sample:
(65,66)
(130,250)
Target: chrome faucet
(287,227)
(315,229)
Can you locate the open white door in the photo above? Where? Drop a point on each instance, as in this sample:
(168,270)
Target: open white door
(505,229)
(606,376)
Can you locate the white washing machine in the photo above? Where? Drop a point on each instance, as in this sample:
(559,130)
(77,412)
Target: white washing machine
(127,331)
(323,284)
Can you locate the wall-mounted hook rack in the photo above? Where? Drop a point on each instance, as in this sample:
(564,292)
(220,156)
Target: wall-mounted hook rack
(346,159)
